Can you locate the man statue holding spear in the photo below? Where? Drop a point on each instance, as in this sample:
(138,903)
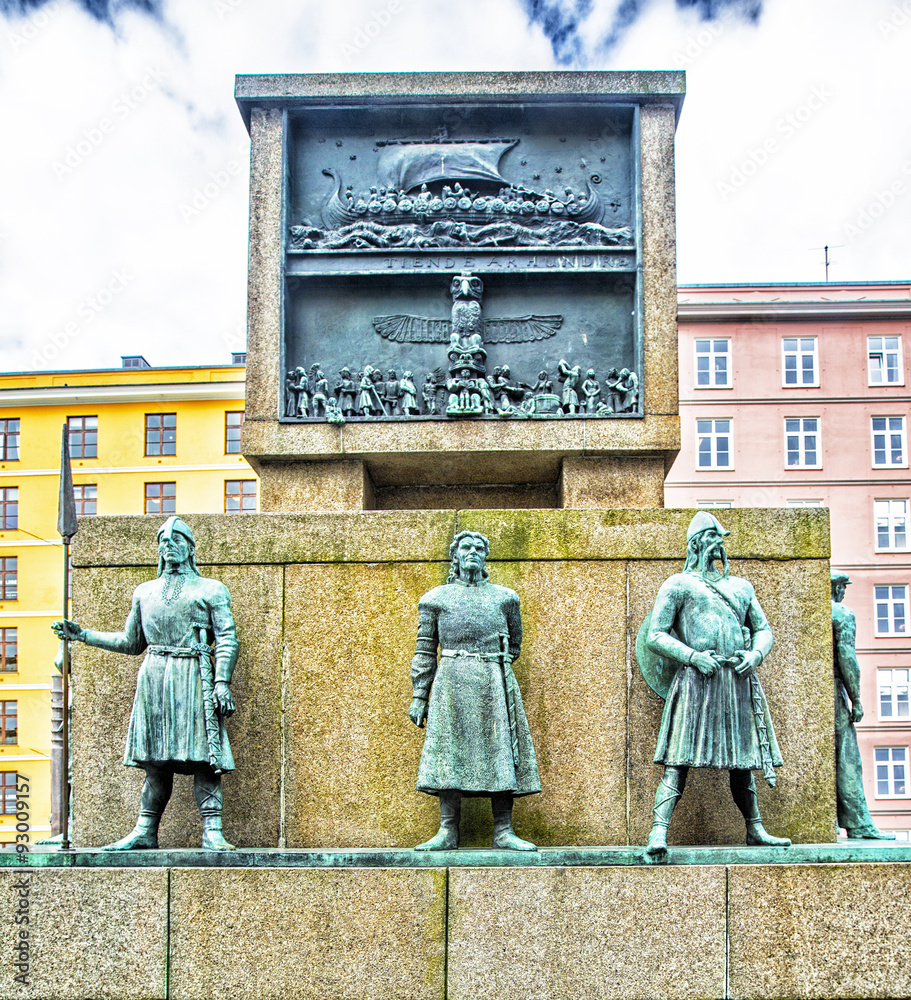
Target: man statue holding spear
(183,623)
(700,649)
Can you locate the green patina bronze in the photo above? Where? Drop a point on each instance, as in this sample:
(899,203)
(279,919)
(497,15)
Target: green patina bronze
(851,801)
(182,622)
(477,741)
(710,627)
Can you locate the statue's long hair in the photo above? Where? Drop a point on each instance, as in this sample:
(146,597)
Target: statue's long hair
(453,559)
(695,557)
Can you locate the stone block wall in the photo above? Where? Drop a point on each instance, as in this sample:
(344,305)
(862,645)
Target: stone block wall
(697,931)
(326,608)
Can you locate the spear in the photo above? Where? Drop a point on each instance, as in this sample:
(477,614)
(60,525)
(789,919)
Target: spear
(66,528)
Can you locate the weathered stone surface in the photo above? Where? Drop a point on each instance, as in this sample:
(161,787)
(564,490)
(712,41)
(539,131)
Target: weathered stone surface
(516,496)
(659,259)
(819,931)
(105,793)
(90,933)
(553,933)
(265,266)
(619,481)
(797,680)
(298,486)
(243,934)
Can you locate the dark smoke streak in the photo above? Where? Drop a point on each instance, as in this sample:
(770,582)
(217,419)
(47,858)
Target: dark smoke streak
(105,11)
(561,21)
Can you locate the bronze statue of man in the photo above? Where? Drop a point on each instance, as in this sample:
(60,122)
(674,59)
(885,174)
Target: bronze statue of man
(182,621)
(850,800)
(477,740)
(711,628)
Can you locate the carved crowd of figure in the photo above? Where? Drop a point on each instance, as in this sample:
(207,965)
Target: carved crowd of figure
(370,392)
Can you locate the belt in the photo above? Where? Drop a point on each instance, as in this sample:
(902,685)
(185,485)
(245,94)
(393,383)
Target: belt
(478,656)
(193,650)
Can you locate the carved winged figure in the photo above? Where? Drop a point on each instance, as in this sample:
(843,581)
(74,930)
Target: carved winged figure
(467,326)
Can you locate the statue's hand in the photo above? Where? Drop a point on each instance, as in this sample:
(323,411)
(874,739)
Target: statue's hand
(418,711)
(68,630)
(705,663)
(858,713)
(750,659)
(224,700)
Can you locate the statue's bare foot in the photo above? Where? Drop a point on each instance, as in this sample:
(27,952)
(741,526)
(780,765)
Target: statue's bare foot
(214,840)
(868,833)
(758,836)
(443,840)
(508,841)
(138,840)
(656,848)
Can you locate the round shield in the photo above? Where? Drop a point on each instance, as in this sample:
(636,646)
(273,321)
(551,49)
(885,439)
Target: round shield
(657,670)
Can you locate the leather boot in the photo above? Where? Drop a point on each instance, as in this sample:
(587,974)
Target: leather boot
(209,798)
(156,791)
(670,788)
(504,836)
(743,790)
(447,837)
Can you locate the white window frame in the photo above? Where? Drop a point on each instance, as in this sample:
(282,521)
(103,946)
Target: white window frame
(713,436)
(802,436)
(805,503)
(892,760)
(887,433)
(887,510)
(891,601)
(799,353)
(711,354)
(715,504)
(876,347)
(895,682)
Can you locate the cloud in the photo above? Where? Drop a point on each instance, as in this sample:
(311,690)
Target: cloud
(125,171)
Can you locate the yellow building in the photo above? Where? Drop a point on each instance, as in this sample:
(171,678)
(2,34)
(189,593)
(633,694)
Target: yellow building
(141,440)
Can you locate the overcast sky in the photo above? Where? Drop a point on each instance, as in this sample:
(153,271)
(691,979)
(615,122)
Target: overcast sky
(123,163)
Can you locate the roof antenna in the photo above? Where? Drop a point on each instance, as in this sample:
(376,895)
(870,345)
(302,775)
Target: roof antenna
(827,248)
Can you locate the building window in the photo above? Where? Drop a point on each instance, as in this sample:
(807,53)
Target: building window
(234,420)
(891,772)
(9,648)
(8,571)
(9,787)
(889,442)
(713,367)
(9,439)
(801,440)
(161,434)
(82,435)
(805,503)
(240,496)
(800,361)
(893,692)
(891,610)
(714,504)
(713,444)
(160,498)
(9,507)
(885,361)
(86,497)
(8,726)
(891,524)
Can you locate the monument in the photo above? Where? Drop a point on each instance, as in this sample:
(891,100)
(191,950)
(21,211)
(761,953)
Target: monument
(484,345)
(478,741)
(853,813)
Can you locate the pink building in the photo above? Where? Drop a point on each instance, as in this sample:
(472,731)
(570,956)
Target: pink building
(798,395)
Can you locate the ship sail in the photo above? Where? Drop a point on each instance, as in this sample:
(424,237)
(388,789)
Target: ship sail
(404,166)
